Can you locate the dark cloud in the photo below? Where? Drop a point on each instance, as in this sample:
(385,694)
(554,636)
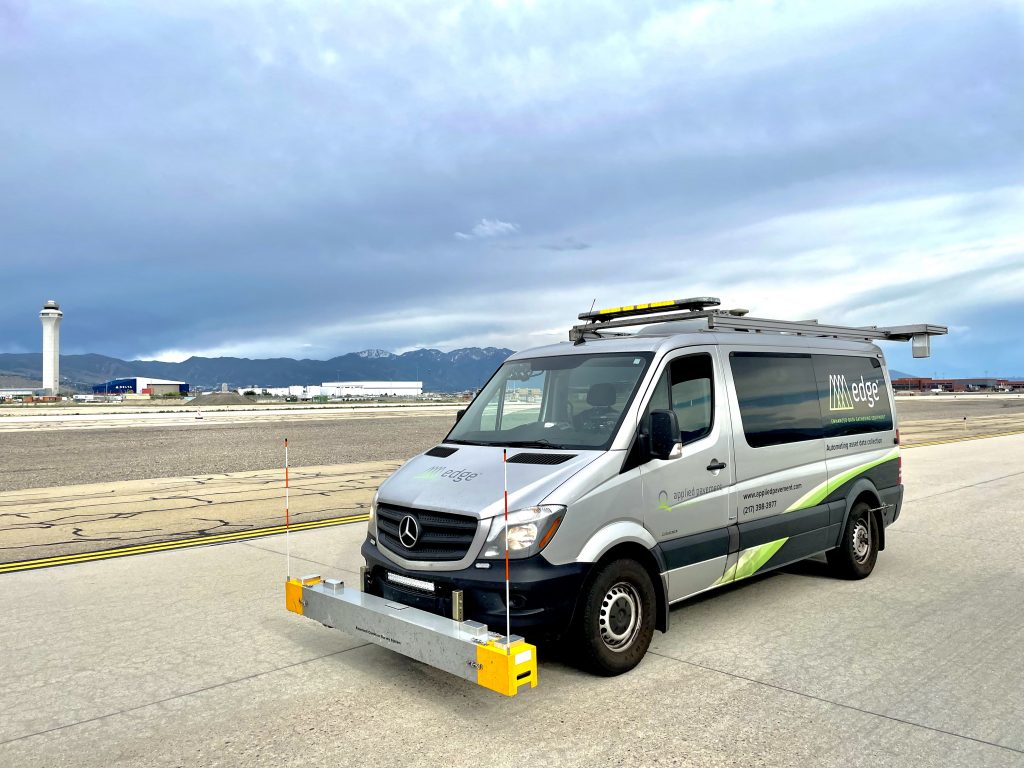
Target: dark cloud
(275,179)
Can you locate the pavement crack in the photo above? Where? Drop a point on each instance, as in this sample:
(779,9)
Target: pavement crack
(295,557)
(850,707)
(945,536)
(129,710)
(963,487)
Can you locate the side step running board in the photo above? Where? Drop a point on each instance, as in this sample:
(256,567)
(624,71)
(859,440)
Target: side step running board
(463,648)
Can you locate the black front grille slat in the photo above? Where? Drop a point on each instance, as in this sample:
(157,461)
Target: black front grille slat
(386,513)
(466,524)
(541,458)
(442,535)
(446,539)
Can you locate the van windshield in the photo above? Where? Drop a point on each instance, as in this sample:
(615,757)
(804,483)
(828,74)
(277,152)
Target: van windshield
(568,401)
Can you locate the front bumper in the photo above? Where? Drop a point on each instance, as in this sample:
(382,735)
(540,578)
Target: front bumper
(543,596)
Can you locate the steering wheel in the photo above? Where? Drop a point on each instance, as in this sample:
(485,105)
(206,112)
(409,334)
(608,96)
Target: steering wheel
(595,422)
(564,426)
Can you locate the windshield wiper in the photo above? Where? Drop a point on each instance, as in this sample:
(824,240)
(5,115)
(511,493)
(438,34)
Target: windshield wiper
(542,443)
(464,442)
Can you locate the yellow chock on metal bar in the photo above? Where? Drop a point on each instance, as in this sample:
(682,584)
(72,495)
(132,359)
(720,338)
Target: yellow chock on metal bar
(506,670)
(293,595)
(293,592)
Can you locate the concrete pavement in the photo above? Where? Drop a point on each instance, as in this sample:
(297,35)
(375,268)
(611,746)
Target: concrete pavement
(189,658)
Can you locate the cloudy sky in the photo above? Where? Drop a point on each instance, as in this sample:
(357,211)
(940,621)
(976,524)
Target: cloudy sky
(311,178)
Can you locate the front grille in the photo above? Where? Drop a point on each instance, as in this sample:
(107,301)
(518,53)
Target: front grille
(442,535)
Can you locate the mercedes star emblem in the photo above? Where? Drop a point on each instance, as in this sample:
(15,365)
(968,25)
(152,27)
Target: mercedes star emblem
(408,531)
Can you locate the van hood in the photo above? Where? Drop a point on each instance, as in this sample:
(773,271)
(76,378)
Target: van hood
(471,480)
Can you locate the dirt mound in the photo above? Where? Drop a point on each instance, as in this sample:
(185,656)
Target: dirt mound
(221,398)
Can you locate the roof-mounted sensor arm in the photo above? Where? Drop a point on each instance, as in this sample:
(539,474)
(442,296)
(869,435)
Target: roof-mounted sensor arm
(600,322)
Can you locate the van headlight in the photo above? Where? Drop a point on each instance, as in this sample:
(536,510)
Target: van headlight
(529,531)
(371,523)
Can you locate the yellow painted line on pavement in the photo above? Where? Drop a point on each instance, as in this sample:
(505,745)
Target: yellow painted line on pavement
(964,439)
(255,533)
(162,546)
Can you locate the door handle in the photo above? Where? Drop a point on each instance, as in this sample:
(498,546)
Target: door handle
(716,465)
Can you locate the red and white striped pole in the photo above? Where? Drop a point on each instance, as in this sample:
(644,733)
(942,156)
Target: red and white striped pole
(287,518)
(508,605)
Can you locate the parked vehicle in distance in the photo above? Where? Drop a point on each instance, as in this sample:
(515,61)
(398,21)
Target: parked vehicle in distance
(645,468)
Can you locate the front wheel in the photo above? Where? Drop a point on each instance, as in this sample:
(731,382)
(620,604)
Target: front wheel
(857,552)
(616,621)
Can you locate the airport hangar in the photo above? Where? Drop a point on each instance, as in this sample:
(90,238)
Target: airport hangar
(140,385)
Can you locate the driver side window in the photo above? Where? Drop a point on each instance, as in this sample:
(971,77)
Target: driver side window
(522,401)
(687,387)
(518,403)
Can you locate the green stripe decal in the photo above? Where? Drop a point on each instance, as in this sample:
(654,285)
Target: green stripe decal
(821,492)
(752,560)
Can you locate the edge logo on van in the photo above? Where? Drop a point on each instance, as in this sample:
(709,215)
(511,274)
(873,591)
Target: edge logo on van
(842,396)
(439,472)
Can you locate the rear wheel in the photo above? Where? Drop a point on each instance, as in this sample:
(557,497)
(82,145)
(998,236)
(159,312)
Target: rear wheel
(616,621)
(857,552)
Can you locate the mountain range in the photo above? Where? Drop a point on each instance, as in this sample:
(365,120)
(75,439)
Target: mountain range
(455,371)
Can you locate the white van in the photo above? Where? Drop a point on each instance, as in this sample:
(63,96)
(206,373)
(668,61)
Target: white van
(644,468)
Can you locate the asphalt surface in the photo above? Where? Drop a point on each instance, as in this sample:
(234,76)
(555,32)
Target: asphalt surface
(929,418)
(47,458)
(41,457)
(928,407)
(188,658)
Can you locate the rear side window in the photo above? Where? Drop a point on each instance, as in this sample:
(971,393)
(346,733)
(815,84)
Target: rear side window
(854,398)
(778,397)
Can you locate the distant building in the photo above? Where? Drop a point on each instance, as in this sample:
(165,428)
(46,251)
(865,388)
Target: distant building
(927,384)
(140,385)
(14,392)
(372,388)
(343,389)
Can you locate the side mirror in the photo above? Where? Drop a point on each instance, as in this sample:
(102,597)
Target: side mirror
(459,414)
(665,440)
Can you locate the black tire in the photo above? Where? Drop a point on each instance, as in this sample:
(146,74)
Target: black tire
(615,620)
(857,552)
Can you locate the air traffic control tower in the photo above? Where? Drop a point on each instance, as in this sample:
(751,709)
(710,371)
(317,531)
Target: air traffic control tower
(50,317)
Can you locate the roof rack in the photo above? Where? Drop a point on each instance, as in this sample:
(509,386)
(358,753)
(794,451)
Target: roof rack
(599,323)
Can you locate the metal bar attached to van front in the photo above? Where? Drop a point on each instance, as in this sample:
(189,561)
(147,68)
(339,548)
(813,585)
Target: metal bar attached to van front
(462,648)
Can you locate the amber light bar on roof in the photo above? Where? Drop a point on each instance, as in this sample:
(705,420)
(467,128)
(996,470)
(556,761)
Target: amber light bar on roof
(632,310)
